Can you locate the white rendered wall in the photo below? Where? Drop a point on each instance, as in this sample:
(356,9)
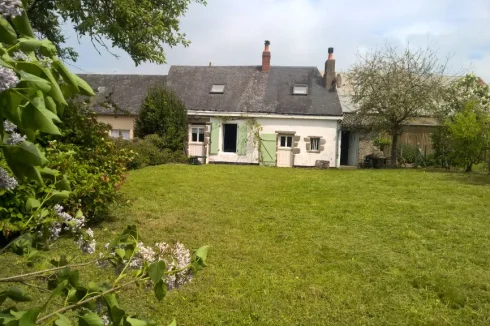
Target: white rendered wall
(327,129)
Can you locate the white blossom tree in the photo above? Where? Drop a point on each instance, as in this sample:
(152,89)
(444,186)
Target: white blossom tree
(390,86)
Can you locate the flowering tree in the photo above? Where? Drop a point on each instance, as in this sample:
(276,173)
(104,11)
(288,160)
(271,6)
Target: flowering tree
(34,88)
(392,86)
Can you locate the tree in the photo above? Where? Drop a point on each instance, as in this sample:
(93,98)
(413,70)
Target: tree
(466,109)
(139,27)
(164,114)
(391,86)
(469,135)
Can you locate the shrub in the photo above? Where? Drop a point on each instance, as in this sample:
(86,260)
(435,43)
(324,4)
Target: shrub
(150,151)
(164,114)
(95,181)
(408,152)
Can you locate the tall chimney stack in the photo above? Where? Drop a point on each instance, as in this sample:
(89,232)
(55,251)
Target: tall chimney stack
(329,76)
(266,58)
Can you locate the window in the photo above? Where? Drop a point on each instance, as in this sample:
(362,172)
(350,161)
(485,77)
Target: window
(300,90)
(197,134)
(217,89)
(230,137)
(120,133)
(315,143)
(286,141)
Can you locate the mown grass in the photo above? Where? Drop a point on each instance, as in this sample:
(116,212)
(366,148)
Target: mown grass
(312,247)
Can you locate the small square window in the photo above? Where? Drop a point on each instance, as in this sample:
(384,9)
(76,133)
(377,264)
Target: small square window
(197,134)
(300,90)
(315,143)
(217,89)
(286,141)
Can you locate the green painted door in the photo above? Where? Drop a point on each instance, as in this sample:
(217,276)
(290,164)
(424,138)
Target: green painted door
(242,139)
(214,139)
(268,149)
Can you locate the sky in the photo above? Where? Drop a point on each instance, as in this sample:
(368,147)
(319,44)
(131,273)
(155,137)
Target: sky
(232,32)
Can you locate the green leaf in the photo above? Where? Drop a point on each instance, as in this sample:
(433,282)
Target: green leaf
(136,322)
(38,82)
(63,184)
(7,33)
(49,171)
(35,116)
(26,153)
(90,319)
(35,68)
(30,44)
(32,203)
(55,91)
(202,253)
(58,290)
(10,102)
(84,87)
(111,300)
(23,25)
(61,262)
(50,104)
(120,252)
(67,76)
(117,314)
(48,49)
(7,319)
(16,295)
(173,323)
(29,318)
(58,196)
(156,271)
(160,290)
(63,321)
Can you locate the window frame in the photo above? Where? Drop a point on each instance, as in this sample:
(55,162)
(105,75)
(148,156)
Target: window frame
(315,140)
(296,93)
(286,142)
(120,134)
(219,91)
(199,129)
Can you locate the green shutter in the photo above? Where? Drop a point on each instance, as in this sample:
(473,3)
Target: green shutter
(268,149)
(242,139)
(214,139)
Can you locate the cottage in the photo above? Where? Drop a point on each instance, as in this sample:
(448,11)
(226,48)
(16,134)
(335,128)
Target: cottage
(270,115)
(284,116)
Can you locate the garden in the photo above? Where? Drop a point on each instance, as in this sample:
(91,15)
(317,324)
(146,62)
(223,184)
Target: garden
(308,247)
(102,232)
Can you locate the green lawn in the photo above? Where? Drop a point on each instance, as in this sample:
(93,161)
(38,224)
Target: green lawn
(312,247)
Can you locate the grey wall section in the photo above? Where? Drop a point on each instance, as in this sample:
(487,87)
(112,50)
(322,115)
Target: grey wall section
(353,156)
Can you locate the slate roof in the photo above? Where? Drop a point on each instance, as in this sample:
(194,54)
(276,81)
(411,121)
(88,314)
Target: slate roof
(128,91)
(248,90)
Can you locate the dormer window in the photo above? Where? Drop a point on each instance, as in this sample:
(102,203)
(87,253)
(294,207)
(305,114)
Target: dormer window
(217,89)
(300,90)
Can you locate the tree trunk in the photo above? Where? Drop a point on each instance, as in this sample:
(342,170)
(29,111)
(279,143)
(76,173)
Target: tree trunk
(468,167)
(394,150)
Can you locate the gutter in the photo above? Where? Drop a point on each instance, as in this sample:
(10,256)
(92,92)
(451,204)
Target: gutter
(262,115)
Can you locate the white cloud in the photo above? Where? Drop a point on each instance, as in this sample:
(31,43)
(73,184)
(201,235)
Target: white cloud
(231,32)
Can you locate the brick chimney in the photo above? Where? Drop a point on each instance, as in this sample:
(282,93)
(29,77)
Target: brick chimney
(329,76)
(266,58)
